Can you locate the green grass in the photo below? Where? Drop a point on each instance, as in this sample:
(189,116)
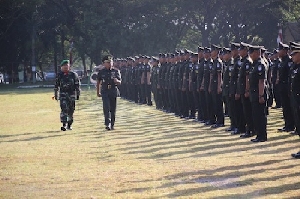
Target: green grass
(150,154)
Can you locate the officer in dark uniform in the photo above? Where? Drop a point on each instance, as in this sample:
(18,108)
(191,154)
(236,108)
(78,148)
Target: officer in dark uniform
(202,115)
(154,80)
(295,88)
(107,81)
(171,82)
(227,72)
(236,101)
(136,80)
(193,91)
(285,63)
(257,78)
(177,89)
(215,87)
(243,89)
(210,119)
(67,84)
(147,82)
(274,69)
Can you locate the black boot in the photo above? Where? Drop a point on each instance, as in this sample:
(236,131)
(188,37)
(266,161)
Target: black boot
(63,128)
(69,127)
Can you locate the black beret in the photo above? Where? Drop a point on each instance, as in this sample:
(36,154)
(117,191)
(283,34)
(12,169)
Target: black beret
(282,46)
(234,46)
(107,58)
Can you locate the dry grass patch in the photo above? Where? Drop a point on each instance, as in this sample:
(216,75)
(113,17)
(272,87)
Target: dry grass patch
(150,154)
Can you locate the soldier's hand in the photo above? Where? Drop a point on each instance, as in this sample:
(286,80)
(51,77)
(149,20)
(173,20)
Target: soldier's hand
(77,97)
(247,94)
(237,96)
(98,94)
(116,80)
(261,100)
(219,90)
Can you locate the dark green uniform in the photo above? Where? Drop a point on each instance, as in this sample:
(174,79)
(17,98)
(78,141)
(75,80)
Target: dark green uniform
(67,83)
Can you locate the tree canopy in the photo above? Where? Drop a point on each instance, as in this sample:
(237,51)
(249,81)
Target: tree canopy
(47,28)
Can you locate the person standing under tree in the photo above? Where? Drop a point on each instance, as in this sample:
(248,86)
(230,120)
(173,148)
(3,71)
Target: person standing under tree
(107,80)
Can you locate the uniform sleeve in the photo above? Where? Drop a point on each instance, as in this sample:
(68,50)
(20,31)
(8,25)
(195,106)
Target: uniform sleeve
(118,75)
(261,70)
(76,82)
(247,68)
(99,75)
(57,82)
(219,67)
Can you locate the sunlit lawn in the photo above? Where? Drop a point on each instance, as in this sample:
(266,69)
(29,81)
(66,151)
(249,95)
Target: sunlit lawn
(151,154)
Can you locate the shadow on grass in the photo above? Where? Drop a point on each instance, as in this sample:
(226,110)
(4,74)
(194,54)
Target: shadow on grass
(35,138)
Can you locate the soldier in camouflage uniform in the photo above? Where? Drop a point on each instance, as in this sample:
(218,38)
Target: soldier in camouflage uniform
(68,85)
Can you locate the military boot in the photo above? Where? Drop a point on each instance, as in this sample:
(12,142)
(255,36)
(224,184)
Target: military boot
(63,128)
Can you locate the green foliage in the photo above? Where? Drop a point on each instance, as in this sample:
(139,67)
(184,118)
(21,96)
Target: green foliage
(131,27)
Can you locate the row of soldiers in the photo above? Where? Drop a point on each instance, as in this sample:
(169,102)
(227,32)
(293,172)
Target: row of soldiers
(242,78)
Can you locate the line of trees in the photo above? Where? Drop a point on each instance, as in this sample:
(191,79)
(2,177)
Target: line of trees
(46,28)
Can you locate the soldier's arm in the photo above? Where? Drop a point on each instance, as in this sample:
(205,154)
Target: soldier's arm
(118,78)
(56,86)
(77,83)
(99,84)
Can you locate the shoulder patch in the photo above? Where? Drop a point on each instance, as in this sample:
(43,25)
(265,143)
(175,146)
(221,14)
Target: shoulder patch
(259,68)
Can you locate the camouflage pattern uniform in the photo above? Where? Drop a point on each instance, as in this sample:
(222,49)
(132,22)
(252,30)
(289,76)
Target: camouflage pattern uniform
(68,86)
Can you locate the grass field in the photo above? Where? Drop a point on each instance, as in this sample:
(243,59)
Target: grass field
(151,154)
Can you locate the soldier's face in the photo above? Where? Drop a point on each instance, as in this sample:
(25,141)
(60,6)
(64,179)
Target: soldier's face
(108,63)
(226,56)
(214,53)
(65,68)
(255,55)
(243,52)
(200,55)
(206,55)
(296,58)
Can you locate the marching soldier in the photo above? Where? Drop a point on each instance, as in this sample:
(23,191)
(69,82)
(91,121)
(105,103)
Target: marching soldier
(68,85)
(107,81)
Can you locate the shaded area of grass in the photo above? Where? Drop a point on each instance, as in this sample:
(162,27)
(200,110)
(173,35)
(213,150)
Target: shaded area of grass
(150,154)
